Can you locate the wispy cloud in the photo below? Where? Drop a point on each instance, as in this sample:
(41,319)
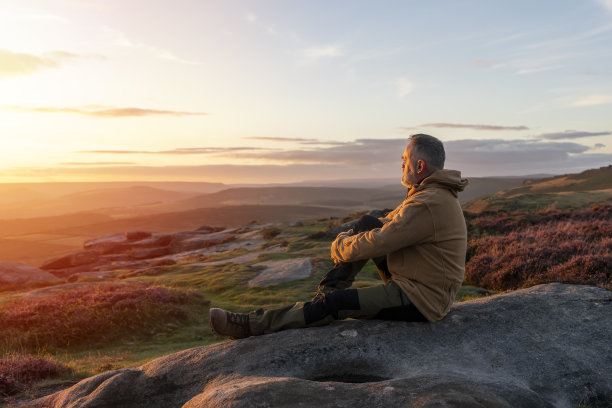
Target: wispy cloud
(97,163)
(179,151)
(16,64)
(475,127)
(355,153)
(324,51)
(606,4)
(596,99)
(106,112)
(531,70)
(279,139)
(519,157)
(570,134)
(122,40)
(299,140)
(404,87)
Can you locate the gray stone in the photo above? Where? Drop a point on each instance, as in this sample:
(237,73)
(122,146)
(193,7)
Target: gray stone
(15,273)
(282,270)
(137,235)
(192,240)
(547,346)
(68,261)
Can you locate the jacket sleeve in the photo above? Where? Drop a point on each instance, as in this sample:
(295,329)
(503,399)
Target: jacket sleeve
(411,225)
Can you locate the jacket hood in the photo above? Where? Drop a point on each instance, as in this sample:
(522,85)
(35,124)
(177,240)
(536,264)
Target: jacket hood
(448,179)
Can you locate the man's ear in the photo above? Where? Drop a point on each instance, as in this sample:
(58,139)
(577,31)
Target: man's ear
(420,166)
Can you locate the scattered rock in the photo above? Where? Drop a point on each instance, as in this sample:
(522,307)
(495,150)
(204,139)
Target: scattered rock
(282,270)
(295,224)
(207,230)
(133,250)
(148,253)
(15,273)
(188,241)
(137,235)
(71,260)
(547,346)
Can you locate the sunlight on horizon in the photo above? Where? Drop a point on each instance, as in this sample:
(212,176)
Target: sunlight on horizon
(287,92)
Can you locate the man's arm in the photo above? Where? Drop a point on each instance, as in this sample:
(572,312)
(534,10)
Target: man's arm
(411,225)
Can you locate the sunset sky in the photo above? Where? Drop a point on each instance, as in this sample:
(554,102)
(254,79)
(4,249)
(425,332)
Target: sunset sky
(285,91)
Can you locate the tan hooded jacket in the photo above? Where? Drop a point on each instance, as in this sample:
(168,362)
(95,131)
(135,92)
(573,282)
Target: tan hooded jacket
(425,240)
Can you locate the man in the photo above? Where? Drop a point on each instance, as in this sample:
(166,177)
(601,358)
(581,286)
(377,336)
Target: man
(419,249)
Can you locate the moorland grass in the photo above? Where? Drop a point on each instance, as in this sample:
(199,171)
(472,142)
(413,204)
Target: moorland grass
(92,316)
(550,246)
(18,372)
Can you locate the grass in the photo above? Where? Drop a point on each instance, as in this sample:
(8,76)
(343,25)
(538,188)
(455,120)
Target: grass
(553,246)
(19,372)
(93,316)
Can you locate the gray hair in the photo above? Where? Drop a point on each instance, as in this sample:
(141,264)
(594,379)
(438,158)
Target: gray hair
(430,148)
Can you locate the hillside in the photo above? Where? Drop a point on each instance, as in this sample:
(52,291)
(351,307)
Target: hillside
(86,211)
(566,191)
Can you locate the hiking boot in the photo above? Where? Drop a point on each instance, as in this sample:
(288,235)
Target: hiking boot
(234,325)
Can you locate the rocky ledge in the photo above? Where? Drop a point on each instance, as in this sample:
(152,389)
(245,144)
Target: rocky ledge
(546,346)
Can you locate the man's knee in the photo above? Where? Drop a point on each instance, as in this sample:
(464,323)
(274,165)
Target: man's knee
(367,223)
(331,304)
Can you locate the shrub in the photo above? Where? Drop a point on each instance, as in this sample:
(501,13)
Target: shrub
(571,247)
(19,372)
(270,232)
(92,316)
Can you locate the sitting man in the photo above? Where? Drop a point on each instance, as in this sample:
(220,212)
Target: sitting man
(419,249)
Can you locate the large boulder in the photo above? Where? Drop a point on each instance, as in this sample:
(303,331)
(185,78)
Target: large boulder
(547,346)
(15,273)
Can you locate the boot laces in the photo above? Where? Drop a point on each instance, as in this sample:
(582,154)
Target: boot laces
(239,319)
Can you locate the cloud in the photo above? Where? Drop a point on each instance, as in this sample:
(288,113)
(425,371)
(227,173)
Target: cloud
(356,153)
(179,151)
(570,134)
(122,40)
(606,4)
(106,112)
(404,87)
(97,164)
(279,139)
(16,64)
(591,100)
(531,70)
(475,127)
(497,157)
(325,51)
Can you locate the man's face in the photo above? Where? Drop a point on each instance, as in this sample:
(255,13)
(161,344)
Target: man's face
(409,167)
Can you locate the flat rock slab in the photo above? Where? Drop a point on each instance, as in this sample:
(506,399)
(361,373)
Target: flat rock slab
(15,273)
(546,346)
(282,270)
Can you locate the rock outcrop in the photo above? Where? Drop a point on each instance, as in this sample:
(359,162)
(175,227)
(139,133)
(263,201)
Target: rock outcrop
(133,250)
(547,346)
(15,274)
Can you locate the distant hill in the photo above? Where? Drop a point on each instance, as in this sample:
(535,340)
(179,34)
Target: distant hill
(54,225)
(346,198)
(116,201)
(566,191)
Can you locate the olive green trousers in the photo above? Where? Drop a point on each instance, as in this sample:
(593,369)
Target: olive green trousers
(385,301)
